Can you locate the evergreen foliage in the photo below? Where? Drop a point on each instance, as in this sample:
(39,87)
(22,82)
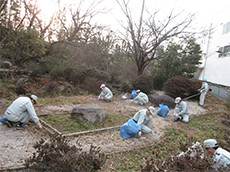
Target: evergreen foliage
(176,60)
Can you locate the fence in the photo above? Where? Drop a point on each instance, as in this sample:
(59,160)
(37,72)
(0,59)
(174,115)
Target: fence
(222,92)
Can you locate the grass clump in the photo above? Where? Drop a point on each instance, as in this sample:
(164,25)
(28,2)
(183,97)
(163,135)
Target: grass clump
(65,124)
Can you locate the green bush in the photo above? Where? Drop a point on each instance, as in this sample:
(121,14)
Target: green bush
(125,86)
(23,46)
(158,79)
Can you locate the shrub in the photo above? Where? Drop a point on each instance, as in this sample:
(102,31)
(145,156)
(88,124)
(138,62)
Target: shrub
(193,159)
(184,163)
(158,79)
(58,155)
(22,46)
(183,87)
(125,86)
(100,75)
(143,83)
(92,85)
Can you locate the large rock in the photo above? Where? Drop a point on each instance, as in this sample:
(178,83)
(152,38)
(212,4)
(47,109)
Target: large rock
(89,113)
(164,99)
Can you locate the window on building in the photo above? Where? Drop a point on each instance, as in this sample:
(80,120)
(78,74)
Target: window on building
(224,51)
(226,28)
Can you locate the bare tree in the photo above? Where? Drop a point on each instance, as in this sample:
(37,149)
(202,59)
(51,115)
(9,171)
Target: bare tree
(145,37)
(81,28)
(80,20)
(3,4)
(34,20)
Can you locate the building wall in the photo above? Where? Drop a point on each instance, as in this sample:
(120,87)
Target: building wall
(216,68)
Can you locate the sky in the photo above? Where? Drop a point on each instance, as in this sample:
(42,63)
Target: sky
(206,11)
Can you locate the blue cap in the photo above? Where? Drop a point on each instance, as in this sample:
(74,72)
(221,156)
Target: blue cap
(204,79)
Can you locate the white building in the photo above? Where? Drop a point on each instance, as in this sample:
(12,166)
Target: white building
(216,66)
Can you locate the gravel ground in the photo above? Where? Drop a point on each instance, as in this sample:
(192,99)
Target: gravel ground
(17,145)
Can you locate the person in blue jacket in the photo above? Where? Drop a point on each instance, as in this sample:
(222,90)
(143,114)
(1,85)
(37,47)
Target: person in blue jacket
(20,111)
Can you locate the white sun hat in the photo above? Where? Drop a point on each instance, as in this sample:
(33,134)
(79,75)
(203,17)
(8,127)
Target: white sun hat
(210,143)
(152,110)
(35,98)
(102,85)
(178,99)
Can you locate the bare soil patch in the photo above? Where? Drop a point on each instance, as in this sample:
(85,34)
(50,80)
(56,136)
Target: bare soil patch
(17,145)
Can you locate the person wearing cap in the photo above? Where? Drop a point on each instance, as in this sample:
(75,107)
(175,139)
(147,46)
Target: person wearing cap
(181,111)
(20,111)
(141,97)
(106,94)
(221,156)
(203,91)
(144,119)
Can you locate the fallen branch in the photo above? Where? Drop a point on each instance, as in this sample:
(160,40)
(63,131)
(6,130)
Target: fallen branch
(92,131)
(43,122)
(13,168)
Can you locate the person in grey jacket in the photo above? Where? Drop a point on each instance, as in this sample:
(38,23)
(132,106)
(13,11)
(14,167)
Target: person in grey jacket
(144,119)
(106,93)
(20,111)
(203,91)
(181,111)
(221,156)
(141,97)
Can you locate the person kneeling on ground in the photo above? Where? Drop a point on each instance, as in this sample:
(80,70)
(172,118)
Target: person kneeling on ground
(106,93)
(144,119)
(181,111)
(141,97)
(20,111)
(221,156)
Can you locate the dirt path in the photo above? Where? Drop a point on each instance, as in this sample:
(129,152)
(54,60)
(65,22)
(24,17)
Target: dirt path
(17,145)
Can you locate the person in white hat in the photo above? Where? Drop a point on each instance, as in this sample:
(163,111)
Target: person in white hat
(20,111)
(144,119)
(141,97)
(203,91)
(221,156)
(106,94)
(181,111)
